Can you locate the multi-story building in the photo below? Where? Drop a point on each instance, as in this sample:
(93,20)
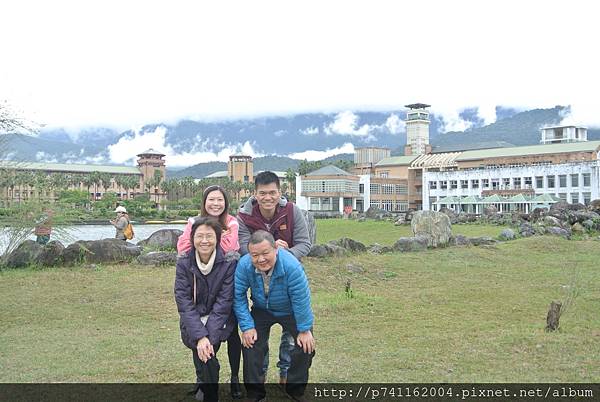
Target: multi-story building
(564,167)
(20,181)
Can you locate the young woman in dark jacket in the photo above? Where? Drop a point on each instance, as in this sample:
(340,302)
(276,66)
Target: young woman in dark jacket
(204,296)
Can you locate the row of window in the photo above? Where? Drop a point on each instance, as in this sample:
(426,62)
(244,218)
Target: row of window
(515,183)
(390,205)
(389,189)
(330,186)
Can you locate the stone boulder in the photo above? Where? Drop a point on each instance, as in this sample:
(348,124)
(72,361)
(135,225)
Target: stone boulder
(327,250)
(551,220)
(450,213)
(377,248)
(162,239)
(26,253)
(526,229)
(507,234)
(312,226)
(158,258)
(594,206)
(100,251)
(433,225)
(560,210)
(589,225)
(582,215)
(417,243)
(350,245)
(537,214)
(482,241)
(558,231)
(459,240)
(577,228)
(52,254)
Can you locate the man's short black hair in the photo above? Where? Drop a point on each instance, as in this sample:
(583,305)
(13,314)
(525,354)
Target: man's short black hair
(266,177)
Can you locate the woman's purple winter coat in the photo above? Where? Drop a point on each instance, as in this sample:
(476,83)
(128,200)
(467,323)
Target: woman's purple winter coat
(214,297)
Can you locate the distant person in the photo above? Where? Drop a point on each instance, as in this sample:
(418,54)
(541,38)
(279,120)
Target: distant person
(43,228)
(204,297)
(280,295)
(120,222)
(268,210)
(215,204)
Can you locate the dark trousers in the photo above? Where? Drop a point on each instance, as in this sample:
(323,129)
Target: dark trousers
(234,352)
(207,375)
(254,356)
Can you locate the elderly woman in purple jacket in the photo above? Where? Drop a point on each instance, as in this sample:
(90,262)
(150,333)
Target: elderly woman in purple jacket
(204,296)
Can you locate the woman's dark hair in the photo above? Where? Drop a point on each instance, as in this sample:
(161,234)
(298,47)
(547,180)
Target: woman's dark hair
(204,212)
(209,221)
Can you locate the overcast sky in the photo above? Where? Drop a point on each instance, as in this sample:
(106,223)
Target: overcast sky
(123,63)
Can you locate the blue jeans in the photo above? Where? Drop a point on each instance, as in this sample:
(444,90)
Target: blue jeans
(285,359)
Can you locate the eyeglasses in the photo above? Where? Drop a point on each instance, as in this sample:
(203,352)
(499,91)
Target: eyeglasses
(207,237)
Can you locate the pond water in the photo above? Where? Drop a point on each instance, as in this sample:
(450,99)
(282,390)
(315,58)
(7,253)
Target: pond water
(70,234)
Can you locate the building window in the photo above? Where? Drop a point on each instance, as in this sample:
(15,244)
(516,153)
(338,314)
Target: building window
(453,184)
(587,197)
(475,183)
(528,182)
(375,189)
(506,182)
(495,184)
(433,185)
(443,184)
(551,183)
(361,188)
(384,174)
(386,205)
(562,196)
(388,189)
(575,180)
(374,204)
(401,189)
(485,183)
(464,184)
(539,181)
(562,180)
(574,198)
(400,206)
(517,183)
(586,180)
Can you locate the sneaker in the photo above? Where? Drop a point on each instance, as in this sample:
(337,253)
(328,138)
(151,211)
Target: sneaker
(236,390)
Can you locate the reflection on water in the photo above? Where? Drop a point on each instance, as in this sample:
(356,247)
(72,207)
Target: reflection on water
(70,234)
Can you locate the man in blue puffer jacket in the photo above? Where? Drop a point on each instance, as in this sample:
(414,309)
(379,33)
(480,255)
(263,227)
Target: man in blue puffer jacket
(280,295)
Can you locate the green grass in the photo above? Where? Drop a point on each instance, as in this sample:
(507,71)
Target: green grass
(474,314)
(386,233)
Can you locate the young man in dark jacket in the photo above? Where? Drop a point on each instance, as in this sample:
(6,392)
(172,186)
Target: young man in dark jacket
(268,210)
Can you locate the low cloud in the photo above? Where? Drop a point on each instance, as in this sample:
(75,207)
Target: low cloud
(347,148)
(346,123)
(45,157)
(310,131)
(581,115)
(126,149)
(395,124)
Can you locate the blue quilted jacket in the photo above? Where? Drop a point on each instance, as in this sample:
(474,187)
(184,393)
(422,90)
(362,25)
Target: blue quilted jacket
(289,293)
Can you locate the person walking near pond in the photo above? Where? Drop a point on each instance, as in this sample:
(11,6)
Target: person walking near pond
(120,222)
(215,204)
(204,297)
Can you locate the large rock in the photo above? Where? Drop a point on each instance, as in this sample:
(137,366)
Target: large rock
(558,231)
(551,220)
(100,251)
(482,241)
(417,243)
(434,225)
(450,213)
(350,244)
(26,253)
(162,239)
(312,226)
(490,210)
(507,234)
(594,206)
(577,228)
(325,250)
(377,248)
(526,229)
(537,214)
(459,240)
(158,258)
(582,215)
(52,254)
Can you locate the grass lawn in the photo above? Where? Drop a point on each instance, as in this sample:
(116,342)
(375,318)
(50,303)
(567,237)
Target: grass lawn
(474,314)
(386,233)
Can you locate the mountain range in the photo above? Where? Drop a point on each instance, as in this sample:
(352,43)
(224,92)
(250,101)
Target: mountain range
(277,143)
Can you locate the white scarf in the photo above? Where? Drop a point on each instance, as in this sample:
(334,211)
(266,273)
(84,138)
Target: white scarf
(206,268)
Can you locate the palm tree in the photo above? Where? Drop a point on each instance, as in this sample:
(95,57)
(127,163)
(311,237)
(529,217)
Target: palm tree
(87,181)
(105,178)
(290,177)
(96,180)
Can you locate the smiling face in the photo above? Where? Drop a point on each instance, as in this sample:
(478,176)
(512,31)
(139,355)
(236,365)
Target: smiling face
(205,240)
(267,196)
(214,203)
(263,255)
